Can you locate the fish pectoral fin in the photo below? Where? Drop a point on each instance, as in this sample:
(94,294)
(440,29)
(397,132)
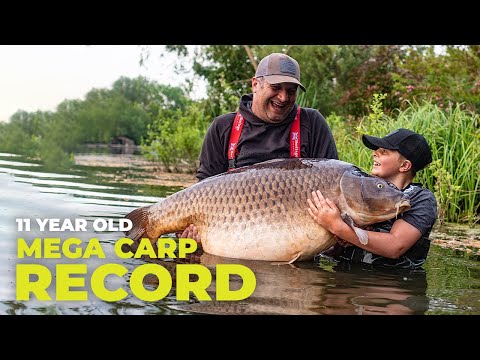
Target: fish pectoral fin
(288,262)
(361,234)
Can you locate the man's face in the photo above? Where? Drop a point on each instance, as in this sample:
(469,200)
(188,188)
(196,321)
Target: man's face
(273,102)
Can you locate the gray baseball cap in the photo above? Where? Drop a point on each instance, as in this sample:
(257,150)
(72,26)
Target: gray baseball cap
(278,68)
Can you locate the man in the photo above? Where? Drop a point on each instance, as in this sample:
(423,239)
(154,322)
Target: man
(268,125)
(402,242)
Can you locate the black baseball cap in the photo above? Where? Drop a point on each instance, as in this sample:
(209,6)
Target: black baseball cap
(410,144)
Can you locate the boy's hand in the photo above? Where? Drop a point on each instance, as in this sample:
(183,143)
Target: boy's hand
(323,211)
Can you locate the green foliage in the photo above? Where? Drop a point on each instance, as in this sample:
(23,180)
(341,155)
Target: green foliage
(377,108)
(14,139)
(54,158)
(444,189)
(149,95)
(176,137)
(23,133)
(345,139)
(443,79)
(125,110)
(158,144)
(309,98)
(228,71)
(105,115)
(189,137)
(347,134)
(317,64)
(345,77)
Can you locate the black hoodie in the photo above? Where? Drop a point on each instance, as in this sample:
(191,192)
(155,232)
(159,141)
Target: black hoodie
(261,141)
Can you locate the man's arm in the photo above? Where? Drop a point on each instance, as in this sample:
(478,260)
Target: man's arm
(213,156)
(321,144)
(394,244)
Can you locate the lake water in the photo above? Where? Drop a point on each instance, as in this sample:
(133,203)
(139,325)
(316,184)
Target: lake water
(449,284)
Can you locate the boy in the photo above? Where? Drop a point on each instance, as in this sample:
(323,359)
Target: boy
(401,242)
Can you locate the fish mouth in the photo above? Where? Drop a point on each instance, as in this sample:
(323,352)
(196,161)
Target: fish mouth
(402,205)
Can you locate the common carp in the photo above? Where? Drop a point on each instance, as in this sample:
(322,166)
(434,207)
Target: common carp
(259,212)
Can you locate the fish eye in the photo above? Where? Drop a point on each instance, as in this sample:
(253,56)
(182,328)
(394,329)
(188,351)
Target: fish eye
(380,186)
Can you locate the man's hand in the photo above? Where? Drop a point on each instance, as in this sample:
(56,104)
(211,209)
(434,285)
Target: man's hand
(189,233)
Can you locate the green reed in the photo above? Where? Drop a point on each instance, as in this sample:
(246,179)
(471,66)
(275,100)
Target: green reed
(454,138)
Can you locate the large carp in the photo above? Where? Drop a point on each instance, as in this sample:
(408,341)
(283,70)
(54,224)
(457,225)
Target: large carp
(259,212)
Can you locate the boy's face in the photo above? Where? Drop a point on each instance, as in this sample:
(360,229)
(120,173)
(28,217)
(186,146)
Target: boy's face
(387,163)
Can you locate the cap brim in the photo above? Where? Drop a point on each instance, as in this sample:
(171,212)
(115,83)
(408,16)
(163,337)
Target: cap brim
(276,79)
(374,143)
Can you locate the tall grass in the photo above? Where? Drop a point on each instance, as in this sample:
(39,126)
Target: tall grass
(309,98)
(454,138)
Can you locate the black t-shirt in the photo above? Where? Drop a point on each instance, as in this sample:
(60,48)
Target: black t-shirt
(422,215)
(261,141)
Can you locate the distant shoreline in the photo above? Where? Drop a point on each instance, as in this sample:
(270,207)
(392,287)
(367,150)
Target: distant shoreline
(147,172)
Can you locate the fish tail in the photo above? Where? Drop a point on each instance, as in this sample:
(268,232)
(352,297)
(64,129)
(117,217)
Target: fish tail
(139,218)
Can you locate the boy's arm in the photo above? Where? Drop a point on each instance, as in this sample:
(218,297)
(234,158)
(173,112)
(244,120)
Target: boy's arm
(401,237)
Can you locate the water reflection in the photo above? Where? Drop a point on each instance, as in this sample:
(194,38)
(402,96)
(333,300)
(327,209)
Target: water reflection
(309,289)
(368,291)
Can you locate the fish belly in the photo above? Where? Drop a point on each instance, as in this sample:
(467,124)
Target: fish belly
(276,241)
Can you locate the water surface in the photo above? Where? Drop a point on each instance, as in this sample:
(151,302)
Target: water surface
(449,284)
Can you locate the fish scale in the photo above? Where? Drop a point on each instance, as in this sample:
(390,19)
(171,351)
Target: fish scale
(259,212)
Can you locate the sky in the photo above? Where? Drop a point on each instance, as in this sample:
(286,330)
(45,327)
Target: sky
(40,77)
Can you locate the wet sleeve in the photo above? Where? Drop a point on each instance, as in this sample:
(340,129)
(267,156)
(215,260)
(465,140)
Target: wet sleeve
(213,156)
(423,212)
